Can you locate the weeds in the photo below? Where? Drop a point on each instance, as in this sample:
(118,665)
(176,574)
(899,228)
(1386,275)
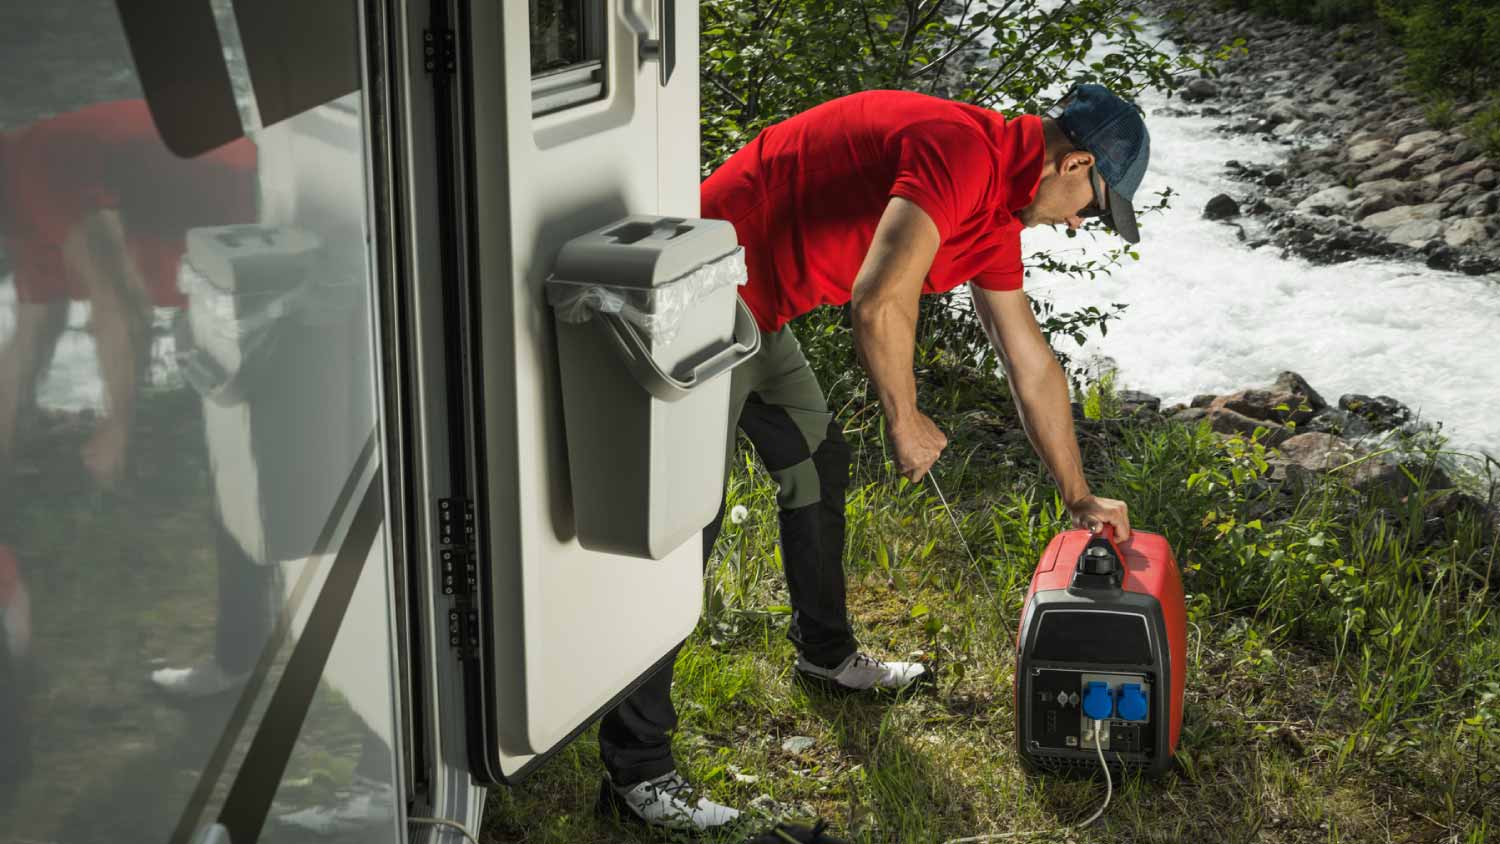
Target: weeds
(1345,658)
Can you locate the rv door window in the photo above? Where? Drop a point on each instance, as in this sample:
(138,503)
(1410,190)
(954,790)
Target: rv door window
(567,53)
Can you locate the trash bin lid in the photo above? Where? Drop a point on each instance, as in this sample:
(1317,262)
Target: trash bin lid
(643,251)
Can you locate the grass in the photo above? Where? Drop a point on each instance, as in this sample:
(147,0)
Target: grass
(1344,681)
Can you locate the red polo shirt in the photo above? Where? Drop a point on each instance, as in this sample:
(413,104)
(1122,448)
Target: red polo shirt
(806,194)
(55,172)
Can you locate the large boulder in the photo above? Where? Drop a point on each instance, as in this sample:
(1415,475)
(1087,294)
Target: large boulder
(1304,456)
(1379,413)
(1200,89)
(1395,218)
(1398,188)
(1329,200)
(1392,479)
(1332,420)
(1417,233)
(1224,420)
(1368,150)
(1464,173)
(1290,391)
(1221,207)
(1466,233)
(1395,168)
(1135,401)
(1417,140)
(1297,386)
(1374,205)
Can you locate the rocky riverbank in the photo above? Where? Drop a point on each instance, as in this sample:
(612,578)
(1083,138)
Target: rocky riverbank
(1372,442)
(1366,173)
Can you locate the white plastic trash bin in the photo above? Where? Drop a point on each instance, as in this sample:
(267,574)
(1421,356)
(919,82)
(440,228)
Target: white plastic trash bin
(649,324)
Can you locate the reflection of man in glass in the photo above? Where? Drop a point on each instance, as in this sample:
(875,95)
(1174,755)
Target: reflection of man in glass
(94,207)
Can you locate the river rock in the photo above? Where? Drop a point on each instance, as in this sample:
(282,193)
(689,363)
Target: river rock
(1221,207)
(1134,401)
(1282,112)
(1443,257)
(1295,385)
(1380,413)
(1200,89)
(1416,140)
(1462,173)
(1273,179)
(1392,479)
(1288,129)
(1332,420)
(1455,193)
(1417,233)
(1226,421)
(1478,265)
(1264,406)
(1387,221)
(1384,187)
(1487,178)
(1318,451)
(1189,415)
(1374,205)
(1328,200)
(1362,152)
(1466,232)
(1395,168)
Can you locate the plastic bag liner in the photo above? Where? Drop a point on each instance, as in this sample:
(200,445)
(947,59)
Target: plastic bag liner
(657,311)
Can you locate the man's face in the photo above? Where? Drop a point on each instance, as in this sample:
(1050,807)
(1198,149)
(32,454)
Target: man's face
(1062,197)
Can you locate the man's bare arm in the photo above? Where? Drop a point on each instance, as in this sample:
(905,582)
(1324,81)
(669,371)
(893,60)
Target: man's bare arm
(884,310)
(1041,391)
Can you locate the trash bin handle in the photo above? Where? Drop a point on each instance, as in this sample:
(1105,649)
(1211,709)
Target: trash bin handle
(667,386)
(206,375)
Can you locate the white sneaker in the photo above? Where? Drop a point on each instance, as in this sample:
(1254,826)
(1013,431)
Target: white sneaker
(365,803)
(202,680)
(667,802)
(860,672)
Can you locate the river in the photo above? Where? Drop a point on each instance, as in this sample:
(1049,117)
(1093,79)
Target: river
(1206,314)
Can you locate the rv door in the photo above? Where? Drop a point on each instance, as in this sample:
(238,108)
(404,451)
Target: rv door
(565,119)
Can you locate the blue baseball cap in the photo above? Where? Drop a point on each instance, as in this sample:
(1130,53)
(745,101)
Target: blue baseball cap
(1096,120)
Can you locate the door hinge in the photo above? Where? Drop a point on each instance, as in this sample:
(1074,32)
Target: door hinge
(463,630)
(459,573)
(439,51)
(455,521)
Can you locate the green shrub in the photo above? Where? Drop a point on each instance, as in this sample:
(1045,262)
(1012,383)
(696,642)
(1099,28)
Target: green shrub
(1452,46)
(1484,128)
(1440,113)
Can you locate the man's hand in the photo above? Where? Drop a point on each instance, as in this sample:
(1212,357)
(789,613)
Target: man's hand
(1093,512)
(918,444)
(104,454)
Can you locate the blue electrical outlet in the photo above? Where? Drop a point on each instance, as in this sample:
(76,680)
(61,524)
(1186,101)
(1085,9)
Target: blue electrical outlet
(1098,703)
(1131,704)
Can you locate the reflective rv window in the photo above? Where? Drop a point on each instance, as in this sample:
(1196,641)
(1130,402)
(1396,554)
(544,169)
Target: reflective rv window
(187,450)
(567,53)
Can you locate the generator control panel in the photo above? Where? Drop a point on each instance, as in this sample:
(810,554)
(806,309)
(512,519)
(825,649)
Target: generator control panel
(1065,702)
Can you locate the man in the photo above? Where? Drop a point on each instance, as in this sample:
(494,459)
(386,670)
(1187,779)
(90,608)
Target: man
(873,199)
(94,207)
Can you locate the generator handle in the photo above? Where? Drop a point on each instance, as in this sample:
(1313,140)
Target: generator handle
(1087,574)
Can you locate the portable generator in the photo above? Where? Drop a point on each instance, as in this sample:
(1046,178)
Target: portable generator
(1102,650)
